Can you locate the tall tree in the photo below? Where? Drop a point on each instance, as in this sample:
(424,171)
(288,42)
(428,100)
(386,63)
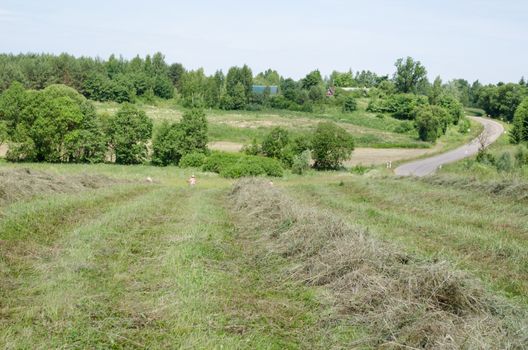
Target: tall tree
(409,75)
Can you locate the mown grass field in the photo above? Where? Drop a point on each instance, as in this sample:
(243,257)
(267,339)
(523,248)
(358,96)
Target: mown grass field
(140,265)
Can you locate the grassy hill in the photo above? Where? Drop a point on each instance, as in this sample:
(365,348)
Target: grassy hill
(369,129)
(96,257)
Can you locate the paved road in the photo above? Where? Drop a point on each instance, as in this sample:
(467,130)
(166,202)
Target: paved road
(492,131)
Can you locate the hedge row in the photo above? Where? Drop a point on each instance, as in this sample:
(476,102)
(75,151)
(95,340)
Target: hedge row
(233,165)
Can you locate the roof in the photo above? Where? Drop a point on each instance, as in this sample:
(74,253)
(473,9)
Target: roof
(259,89)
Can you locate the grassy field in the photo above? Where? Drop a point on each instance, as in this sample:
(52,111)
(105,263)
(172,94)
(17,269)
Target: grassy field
(138,265)
(145,266)
(487,172)
(243,126)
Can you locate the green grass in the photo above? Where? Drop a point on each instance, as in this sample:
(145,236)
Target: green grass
(470,168)
(147,266)
(244,126)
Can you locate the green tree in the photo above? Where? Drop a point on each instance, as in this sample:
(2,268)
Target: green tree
(176,71)
(173,141)
(452,106)
(436,91)
(345,79)
(166,144)
(331,146)
(519,132)
(410,74)
(129,131)
(349,104)
(275,143)
(238,97)
(312,79)
(428,124)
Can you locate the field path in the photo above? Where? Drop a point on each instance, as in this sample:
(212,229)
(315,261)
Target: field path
(427,166)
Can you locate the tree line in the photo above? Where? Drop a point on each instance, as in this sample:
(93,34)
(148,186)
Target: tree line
(407,94)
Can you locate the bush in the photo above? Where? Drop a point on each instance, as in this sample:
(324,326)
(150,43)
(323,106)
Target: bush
(404,127)
(301,162)
(234,165)
(242,169)
(429,126)
(275,142)
(252,149)
(173,141)
(464,125)
(220,160)
(521,157)
(331,146)
(504,163)
(349,104)
(359,169)
(403,106)
(453,107)
(485,158)
(192,160)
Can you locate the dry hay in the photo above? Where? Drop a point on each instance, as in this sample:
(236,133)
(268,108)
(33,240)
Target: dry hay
(515,189)
(23,183)
(403,300)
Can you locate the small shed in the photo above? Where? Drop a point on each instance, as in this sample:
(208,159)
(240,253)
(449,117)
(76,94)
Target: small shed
(260,89)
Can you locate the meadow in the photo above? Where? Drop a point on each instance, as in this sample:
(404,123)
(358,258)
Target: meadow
(369,129)
(97,257)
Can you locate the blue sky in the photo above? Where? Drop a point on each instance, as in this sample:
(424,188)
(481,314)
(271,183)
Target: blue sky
(486,40)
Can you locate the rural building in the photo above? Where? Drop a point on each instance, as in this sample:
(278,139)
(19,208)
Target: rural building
(259,89)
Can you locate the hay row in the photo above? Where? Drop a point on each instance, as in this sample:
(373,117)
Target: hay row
(402,300)
(24,183)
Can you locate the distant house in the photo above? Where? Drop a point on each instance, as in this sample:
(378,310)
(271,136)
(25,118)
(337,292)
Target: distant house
(259,89)
(355,89)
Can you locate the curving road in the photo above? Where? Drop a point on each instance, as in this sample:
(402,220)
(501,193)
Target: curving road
(422,167)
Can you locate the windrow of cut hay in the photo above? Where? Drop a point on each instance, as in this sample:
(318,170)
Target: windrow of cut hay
(23,183)
(403,300)
(515,189)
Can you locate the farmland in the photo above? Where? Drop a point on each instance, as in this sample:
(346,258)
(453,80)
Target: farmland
(131,264)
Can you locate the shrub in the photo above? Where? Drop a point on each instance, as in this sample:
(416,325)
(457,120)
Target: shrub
(129,130)
(504,163)
(252,149)
(234,165)
(403,106)
(331,146)
(453,107)
(519,132)
(220,160)
(376,105)
(359,169)
(192,160)
(464,125)
(165,145)
(301,162)
(349,104)
(275,142)
(486,158)
(429,126)
(56,124)
(242,169)
(404,127)
(521,156)
(173,141)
